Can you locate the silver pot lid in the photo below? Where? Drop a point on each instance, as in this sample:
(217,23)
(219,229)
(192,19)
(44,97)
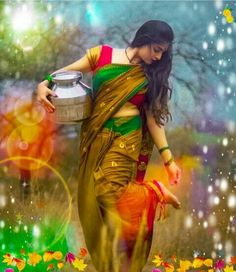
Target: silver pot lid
(66,77)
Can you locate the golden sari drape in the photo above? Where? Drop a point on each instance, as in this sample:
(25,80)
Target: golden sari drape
(109,97)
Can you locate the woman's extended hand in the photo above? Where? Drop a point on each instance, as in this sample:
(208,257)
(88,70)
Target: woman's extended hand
(174,173)
(42,93)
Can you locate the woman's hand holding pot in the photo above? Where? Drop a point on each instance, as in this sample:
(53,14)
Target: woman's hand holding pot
(43,93)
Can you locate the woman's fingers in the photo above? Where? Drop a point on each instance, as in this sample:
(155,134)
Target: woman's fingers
(48,104)
(178,175)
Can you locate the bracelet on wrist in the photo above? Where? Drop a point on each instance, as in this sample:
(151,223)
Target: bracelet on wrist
(48,78)
(169,161)
(163,148)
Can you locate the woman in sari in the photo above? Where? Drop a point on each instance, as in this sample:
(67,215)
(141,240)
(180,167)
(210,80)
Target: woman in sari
(116,205)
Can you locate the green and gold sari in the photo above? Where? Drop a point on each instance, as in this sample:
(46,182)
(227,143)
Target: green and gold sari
(110,149)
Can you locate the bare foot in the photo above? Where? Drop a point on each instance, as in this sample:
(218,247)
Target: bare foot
(170,198)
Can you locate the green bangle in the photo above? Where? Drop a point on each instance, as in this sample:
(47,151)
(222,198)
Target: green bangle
(169,161)
(163,148)
(48,77)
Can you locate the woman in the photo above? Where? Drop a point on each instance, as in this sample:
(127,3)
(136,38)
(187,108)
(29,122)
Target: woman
(116,204)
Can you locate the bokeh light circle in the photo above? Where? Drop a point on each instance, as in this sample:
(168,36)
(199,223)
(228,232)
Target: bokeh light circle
(30,141)
(28,113)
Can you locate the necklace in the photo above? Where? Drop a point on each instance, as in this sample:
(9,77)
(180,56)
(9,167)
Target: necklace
(127,55)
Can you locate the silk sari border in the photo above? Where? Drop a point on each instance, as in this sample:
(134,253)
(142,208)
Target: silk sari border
(107,76)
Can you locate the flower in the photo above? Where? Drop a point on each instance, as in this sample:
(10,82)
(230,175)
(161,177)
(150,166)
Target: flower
(227,12)
(34,259)
(229,269)
(7,259)
(157,260)
(79,263)
(83,252)
(70,257)
(220,264)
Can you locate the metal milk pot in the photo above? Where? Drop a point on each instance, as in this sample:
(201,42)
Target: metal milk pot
(74,98)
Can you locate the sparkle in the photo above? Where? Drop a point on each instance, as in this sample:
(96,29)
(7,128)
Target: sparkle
(216,236)
(58,19)
(36,231)
(220,45)
(200,214)
(231,201)
(205,149)
(211,29)
(223,185)
(209,189)
(216,200)
(204,45)
(229,30)
(219,246)
(19,217)
(196,253)
(24,184)
(3,201)
(2,224)
(228,90)
(188,222)
(225,142)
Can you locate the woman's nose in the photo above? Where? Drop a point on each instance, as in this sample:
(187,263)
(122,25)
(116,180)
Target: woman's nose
(158,56)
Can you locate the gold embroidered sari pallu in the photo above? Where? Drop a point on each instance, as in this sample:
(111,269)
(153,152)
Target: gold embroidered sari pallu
(107,170)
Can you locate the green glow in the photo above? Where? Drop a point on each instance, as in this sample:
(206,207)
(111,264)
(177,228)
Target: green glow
(15,242)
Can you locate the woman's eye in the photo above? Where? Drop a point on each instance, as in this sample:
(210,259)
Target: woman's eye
(156,50)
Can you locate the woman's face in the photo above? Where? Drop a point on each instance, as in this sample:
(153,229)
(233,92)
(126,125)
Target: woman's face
(152,52)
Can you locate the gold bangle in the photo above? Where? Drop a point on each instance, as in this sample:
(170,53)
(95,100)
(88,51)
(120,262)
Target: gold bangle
(169,161)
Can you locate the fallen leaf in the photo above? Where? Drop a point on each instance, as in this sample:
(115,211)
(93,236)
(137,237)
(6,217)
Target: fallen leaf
(34,258)
(157,260)
(197,262)
(83,252)
(233,260)
(20,265)
(185,265)
(208,262)
(169,268)
(57,255)
(60,265)
(50,267)
(48,256)
(79,264)
(7,258)
(229,268)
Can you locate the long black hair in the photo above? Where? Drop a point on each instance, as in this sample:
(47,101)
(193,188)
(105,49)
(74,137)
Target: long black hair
(157,73)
